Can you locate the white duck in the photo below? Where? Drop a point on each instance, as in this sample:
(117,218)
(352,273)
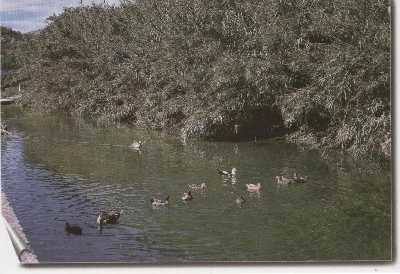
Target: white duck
(253,187)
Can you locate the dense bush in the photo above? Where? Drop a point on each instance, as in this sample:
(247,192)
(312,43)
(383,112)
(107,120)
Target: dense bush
(9,39)
(319,70)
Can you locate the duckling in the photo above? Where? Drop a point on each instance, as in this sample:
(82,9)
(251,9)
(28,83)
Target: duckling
(73,229)
(253,187)
(136,145)
(187,196)
(299,179)
(227,173)
(240,200)
(159,202)
(202,186)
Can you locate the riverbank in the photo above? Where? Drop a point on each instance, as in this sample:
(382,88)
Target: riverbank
(319,72)
(26,256)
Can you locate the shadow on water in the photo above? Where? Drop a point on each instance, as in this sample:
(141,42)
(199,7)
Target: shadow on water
(55,169)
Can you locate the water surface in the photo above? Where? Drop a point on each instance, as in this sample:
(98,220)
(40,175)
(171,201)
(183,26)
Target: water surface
(55,169)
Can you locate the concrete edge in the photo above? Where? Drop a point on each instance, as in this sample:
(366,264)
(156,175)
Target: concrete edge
(15,231)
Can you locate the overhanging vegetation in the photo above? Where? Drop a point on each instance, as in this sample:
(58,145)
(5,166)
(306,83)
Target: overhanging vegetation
(318,71)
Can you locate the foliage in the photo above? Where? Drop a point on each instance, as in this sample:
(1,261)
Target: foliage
(320,69)
(9,39)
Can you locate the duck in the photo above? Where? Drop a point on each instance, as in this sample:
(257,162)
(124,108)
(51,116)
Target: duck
(187,196)
(158,202)
(202,186)
(278,180)
(110,217)
(227,173)
(4,129)
(4,126)
(299,179)
(253,187)
(240,200)
(137,144)
(73,229)
(281,180)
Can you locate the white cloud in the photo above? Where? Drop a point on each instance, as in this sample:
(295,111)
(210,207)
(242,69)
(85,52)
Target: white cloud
(25,25)
(31,5)
(33,13)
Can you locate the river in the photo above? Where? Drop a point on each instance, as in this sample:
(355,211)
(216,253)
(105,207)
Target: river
(56,169)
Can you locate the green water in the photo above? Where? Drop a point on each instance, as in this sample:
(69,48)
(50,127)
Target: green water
(56,169)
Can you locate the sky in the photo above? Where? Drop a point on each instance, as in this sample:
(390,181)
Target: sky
(30,15)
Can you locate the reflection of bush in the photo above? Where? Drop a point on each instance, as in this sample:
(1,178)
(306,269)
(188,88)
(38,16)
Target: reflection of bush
(318,69)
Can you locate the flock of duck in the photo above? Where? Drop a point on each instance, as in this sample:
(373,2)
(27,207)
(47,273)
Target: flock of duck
(112,216)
